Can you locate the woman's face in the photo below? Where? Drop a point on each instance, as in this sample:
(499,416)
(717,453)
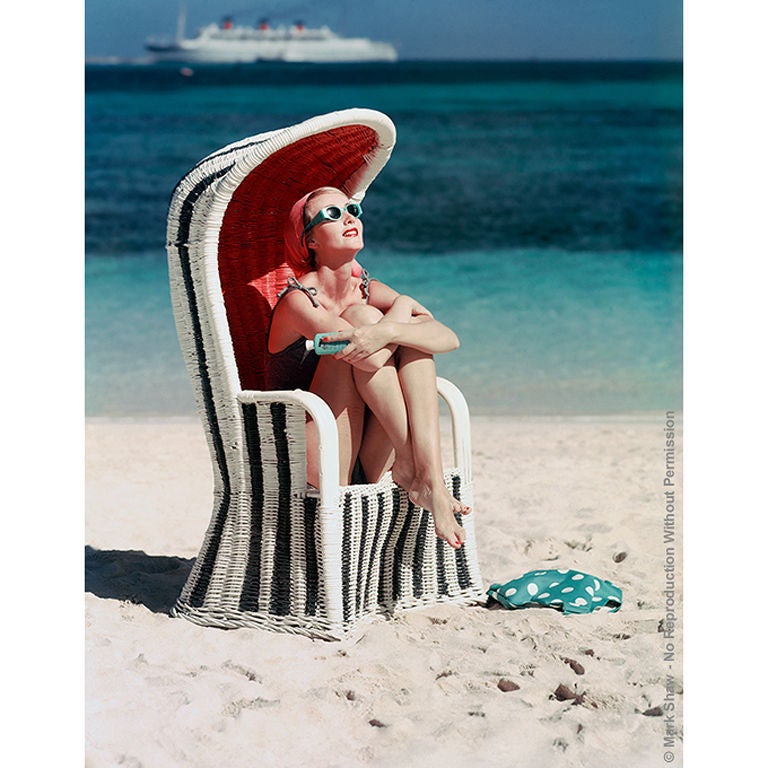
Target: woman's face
(331,238)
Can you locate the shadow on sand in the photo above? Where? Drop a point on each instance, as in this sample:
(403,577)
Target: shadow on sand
(154,581)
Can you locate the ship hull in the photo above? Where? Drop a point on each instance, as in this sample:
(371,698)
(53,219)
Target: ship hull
(246,52)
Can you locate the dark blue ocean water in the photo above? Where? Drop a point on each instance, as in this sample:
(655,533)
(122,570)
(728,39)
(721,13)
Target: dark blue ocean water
(535,207)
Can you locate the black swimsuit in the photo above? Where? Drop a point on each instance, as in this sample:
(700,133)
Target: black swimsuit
(294,366)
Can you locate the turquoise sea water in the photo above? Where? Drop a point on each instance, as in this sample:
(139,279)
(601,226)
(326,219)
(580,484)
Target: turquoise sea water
(535,208)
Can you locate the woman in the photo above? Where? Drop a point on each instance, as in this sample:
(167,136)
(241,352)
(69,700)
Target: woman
(381,387)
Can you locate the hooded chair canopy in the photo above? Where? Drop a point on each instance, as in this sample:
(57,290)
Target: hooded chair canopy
(253,185)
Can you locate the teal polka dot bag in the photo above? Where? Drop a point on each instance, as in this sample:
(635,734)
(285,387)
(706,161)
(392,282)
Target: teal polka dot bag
(567,590)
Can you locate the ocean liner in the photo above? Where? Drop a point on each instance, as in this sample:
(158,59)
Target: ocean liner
(230,43)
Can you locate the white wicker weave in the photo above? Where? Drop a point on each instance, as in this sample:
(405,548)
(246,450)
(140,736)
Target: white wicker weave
(278,554)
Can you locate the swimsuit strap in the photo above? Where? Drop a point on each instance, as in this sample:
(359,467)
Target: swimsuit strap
(311,291)
(295,285)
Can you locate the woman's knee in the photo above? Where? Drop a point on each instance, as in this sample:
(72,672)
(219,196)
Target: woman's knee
(362,314)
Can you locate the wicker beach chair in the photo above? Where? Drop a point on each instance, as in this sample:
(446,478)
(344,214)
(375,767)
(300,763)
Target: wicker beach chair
(279,554)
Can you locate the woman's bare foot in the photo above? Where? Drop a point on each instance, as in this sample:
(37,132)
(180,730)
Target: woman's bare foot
(460,507)
(405,477)
(403,474)
(436,499)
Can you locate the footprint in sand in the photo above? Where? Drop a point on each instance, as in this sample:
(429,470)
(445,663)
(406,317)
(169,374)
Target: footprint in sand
(540,549)
(249,674)
(234,708)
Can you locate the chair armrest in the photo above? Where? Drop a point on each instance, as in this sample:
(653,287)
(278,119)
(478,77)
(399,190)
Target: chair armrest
(328,435)
(328,481)
(462,443)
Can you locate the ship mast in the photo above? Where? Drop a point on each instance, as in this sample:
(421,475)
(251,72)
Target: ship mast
(182,21)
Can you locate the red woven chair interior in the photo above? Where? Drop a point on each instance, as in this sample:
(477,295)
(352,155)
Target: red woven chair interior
(252,266)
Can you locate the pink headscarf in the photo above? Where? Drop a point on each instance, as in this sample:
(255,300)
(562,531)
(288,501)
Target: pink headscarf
(296,249)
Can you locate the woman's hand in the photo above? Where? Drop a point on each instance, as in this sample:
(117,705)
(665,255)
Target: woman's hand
(364,341)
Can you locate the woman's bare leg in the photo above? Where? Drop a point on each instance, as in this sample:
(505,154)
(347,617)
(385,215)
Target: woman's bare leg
(334,383)
(402,396)
(386,438)
(386,433)
(427,488)
(376,451)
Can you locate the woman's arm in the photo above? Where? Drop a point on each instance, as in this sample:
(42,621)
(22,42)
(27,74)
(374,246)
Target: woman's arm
(406,322)
(383,297)
(295,317)
(413,325)
(426,335)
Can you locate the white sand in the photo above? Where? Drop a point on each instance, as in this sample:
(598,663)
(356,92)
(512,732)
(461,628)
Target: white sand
(422,689)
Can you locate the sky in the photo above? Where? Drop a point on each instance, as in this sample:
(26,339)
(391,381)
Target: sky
(420,29)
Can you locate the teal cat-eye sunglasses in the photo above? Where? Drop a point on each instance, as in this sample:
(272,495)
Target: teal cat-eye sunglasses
(333,213)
